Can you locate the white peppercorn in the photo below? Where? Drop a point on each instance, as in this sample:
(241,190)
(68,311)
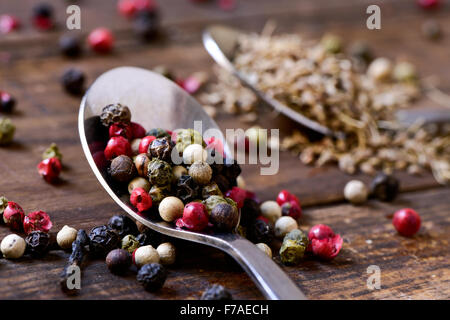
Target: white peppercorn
(201,172)
(66,236)
(135,146)
(380,69)
(194,152)
(179,171)
(241,182)
(356,192)
(284,225)
(13,246)
(271,210)
(171,208)
(139,182)
(167,253)
(144,255)
(265,248)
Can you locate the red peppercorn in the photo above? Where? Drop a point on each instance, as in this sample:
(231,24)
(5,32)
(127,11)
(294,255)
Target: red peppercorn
(195,217)
(406,221)
(145,143)
(264,219)
(117,146)
(327,248)
(37,221)
(43,23)
(138,130)
(227,5)
(8,23)
(320,231)
(291,209)
(126,8)
(96,146)
(286,196)
(141,199)
(215,144)
(323,242)
(428,4)
(13,216)
(50,169)
(238,195)
(100,160)
(101,40)
(121,129)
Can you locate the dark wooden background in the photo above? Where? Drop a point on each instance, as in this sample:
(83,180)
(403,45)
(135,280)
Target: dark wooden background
(30,67)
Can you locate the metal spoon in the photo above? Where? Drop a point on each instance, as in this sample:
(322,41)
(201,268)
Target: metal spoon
(221,43)
(155,101)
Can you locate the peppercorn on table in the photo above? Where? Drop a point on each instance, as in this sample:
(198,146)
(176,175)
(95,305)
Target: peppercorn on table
(30,70)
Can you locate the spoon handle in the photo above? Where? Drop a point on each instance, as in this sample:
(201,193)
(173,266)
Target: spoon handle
(267,275)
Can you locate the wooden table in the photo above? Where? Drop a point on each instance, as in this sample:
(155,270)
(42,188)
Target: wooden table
(30,67)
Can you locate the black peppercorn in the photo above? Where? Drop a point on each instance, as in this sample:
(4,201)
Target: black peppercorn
(161,148)
(159,172)
(7,102)
(231,170)
(102,240)
(122,169)
(124,225)
(146,25)
(216,292)
(118,261)
(222,182)
(42,10)
(158,133)
(73,81)
(384,187)
(260,231)
(249,212)
(38,243)
(152,276)
(114,113)
(187,188)
(70,46)
(224,216)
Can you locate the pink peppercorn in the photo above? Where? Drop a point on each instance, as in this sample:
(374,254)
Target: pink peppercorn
(140,199)
(406,222)
(101,40)
(238,195)
(323,242)
(117,146)
(292,209)
(13,216)
(286,196)
(428,4)
(126,8)
(216,145)
(96,146)
(195,217)
(327,248)
(8,23)
(50,169)
(43,23)
(37,221)
(138,130)
(121,129)
(227,5)
(145,143)
(191,84)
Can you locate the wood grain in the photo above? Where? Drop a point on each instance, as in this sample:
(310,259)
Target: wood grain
(30,67)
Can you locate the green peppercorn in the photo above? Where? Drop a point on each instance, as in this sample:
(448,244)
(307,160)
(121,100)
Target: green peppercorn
(291,252)
(212,201)
(186,137)
(3,204)
(158,193)
(161,148)
(159,172)
(331,43)
(113,113)
(211,189)
(129,243)
(297,235)
(7,130)
(52,152)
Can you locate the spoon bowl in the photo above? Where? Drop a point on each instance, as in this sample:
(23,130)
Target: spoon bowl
(156,102)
